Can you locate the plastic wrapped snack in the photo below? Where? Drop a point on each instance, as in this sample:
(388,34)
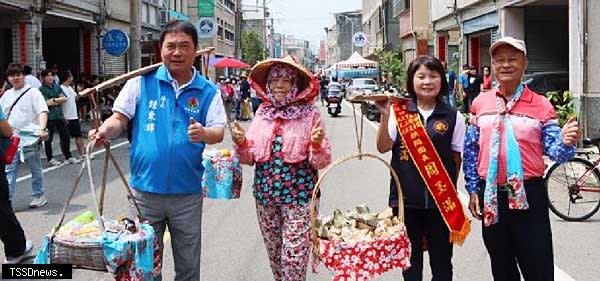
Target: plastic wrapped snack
(222,177)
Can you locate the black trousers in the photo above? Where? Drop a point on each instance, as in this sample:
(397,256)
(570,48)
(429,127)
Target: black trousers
(11,233)
(522,239)
(61,127)
(428,224)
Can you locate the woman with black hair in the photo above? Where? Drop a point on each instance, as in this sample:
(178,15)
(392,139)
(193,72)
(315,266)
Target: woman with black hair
(426,138)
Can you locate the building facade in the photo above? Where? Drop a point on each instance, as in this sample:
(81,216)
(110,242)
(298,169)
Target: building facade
(414,28)
(373,26)
(69,34)
(339,36)
(559,35)
(228,15)
(299,49)
(254,18)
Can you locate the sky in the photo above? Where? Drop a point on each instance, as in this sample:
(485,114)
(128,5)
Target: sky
(306,19)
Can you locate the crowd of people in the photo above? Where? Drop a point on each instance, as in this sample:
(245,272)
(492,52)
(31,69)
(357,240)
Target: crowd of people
(239,97)
(509,130)
(466,86)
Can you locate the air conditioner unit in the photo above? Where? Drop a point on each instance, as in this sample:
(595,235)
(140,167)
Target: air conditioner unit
(163,16)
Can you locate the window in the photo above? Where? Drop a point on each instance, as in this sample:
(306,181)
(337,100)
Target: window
(220,32)
(229,35)
(153,15)
(145,12)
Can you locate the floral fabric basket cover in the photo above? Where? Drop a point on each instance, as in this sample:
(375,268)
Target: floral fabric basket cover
(365,260)
(222,177)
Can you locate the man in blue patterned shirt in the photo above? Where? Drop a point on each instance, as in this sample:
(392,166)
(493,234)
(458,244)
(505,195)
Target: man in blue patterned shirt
(511,128)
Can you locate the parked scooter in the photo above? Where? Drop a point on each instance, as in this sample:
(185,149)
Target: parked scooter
(334,98)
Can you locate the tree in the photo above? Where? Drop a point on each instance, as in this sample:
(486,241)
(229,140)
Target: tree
(252,48)
(391,64)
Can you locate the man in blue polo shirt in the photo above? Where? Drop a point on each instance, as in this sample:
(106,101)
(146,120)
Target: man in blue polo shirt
(175,112)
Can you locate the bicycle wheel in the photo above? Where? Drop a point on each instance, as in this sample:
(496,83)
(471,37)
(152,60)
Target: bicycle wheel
(573,189)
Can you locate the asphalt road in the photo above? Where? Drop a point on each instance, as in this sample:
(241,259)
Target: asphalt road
(232,246)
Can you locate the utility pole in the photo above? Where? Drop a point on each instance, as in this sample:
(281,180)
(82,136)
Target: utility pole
(264,29)
(271,41)
(135,30)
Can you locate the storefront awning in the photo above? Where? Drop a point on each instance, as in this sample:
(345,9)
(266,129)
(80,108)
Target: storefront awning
(358,73)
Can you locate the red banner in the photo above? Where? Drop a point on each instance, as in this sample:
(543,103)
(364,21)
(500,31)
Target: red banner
(433,172)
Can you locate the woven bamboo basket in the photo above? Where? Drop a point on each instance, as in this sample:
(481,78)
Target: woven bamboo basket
(88,254)
(359,268)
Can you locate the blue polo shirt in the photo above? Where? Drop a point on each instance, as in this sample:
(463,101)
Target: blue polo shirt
(163,159)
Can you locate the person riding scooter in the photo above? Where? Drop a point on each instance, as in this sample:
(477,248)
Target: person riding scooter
(334,98)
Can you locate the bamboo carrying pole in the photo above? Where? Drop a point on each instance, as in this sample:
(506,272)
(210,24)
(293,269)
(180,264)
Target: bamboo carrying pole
(126,76)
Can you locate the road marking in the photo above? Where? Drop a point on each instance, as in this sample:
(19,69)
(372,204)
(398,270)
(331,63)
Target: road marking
(559,274)
(166,237)
(49,169)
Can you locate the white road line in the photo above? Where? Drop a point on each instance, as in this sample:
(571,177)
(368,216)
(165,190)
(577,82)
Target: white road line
(28,176)
(559,274)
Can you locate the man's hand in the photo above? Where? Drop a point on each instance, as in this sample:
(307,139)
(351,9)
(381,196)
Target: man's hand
(474,206)
(238,135)
(196,131)
(98,135)
(570,132)
(43,134)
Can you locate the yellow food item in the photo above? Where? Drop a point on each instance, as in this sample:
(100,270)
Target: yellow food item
(225,152)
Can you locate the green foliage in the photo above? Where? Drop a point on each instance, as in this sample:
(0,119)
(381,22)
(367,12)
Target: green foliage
(563,105)
(391,64)
(252,48)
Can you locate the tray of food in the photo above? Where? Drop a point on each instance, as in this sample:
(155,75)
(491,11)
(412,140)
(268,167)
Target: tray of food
(377,97)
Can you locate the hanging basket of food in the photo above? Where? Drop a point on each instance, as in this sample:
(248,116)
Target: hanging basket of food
(360,244)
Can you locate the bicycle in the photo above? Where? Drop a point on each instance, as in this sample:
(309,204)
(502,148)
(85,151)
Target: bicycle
(574,186)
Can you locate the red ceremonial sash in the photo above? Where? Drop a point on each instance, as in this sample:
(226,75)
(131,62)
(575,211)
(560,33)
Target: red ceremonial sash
(432,170)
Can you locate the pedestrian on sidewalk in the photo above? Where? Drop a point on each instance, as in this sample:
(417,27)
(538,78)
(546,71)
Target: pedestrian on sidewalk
(426,127)
(287,144)
(69,108)
(486,85)
(30,79)
(450,98)
(56,119)
(27,113)
(474,80)
(510,129)
(167,155)
(16,248)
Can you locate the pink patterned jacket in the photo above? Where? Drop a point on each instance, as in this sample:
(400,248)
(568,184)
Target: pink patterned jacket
(296,144)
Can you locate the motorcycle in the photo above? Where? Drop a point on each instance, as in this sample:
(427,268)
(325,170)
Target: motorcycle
(334,99)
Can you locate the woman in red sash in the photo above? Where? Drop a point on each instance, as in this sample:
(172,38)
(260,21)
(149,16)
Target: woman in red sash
(426,138)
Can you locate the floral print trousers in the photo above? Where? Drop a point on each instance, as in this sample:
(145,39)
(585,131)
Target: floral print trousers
(286,232)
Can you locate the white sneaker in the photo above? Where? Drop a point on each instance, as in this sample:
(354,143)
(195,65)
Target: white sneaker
(54,162)
(38,202)
(72,160)
(28,253)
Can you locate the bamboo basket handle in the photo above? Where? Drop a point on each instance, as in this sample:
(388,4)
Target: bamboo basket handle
(313,204)
(97,205)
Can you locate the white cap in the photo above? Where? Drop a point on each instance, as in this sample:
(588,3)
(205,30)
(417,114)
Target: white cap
(507,40)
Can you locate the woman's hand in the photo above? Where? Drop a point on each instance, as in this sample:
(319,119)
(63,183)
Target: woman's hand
(316,135)
(384,107)
(570,132)
(238,134)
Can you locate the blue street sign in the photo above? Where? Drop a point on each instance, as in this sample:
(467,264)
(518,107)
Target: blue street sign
(115,42)
(207,27)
